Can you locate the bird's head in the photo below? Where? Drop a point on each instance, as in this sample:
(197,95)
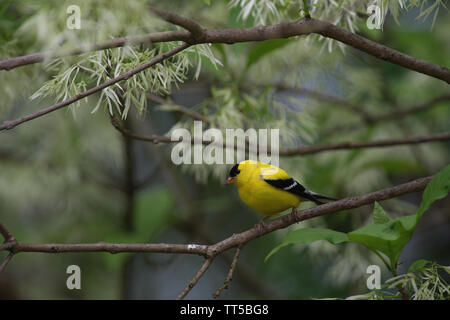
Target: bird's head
(242,171)
(234,172)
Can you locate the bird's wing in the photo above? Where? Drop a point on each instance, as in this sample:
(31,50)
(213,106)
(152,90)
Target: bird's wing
(279,179)
(292,186)
(271,172)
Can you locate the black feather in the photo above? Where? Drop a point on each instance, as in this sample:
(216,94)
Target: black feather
(234,171)
(294,187)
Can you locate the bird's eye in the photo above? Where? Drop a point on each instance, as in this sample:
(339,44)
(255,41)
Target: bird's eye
(234,171)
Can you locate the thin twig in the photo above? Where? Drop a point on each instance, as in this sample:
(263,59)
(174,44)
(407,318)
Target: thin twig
(165,139)
(230,273)
(128,133)
(6,233)
(11,124)
(244,274)
(305,150)
(165,36)
(197,249)
(398,113)
(193,27)
(347,105)
(178,108)
(302,150)
(9,241)
(6,261)
(195,279)
(403,111)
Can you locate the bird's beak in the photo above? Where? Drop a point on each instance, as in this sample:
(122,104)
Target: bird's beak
(230,180)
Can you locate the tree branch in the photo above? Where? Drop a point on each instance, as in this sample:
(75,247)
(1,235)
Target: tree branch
(11,124)
(178,108)
(230,273)
(6,261)
(6,233)
(165,36)
(236,240)
(9,240)
(385,53)
(284,30)
(233,241)
(106,247)
(195,279)
(193,27)
(304,150)
(404,111)
(327,98)
(397,114)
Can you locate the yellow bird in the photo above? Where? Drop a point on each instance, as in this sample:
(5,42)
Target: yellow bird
(268,189)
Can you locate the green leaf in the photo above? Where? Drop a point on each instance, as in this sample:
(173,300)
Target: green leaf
(263,48)
(379,215)
(386,235)
(208,2)
(308,235)
(417,265)
(438,188)
(390,237)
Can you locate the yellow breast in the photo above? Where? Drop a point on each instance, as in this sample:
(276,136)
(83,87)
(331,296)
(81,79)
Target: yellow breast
(261,196)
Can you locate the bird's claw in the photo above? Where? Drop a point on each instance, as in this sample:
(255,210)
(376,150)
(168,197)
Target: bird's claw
(260,225)
(294,214)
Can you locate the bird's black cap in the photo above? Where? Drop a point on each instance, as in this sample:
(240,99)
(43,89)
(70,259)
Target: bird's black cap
(234,171)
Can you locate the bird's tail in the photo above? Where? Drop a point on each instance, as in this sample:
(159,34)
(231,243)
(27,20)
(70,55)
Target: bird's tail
(315,197)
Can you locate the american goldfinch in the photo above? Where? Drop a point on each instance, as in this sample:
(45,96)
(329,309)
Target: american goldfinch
(268,189)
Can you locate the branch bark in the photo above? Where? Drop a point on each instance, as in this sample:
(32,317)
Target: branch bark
(195,279)
(236,240)
(385,53)
(284,30)
(6,261)
(233,241)
(9,240)
(229,275)
(193,27)
(6,233)
(105,247)
(165,36)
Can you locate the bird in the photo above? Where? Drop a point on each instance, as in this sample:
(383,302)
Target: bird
(268,189)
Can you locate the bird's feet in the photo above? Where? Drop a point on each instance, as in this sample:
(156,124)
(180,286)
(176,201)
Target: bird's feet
(261,225)
(294,214)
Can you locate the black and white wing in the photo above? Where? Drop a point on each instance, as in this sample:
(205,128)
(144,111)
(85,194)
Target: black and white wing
(292,186)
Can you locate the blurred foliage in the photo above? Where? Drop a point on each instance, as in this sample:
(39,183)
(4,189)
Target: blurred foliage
(63,176)
(386,237)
